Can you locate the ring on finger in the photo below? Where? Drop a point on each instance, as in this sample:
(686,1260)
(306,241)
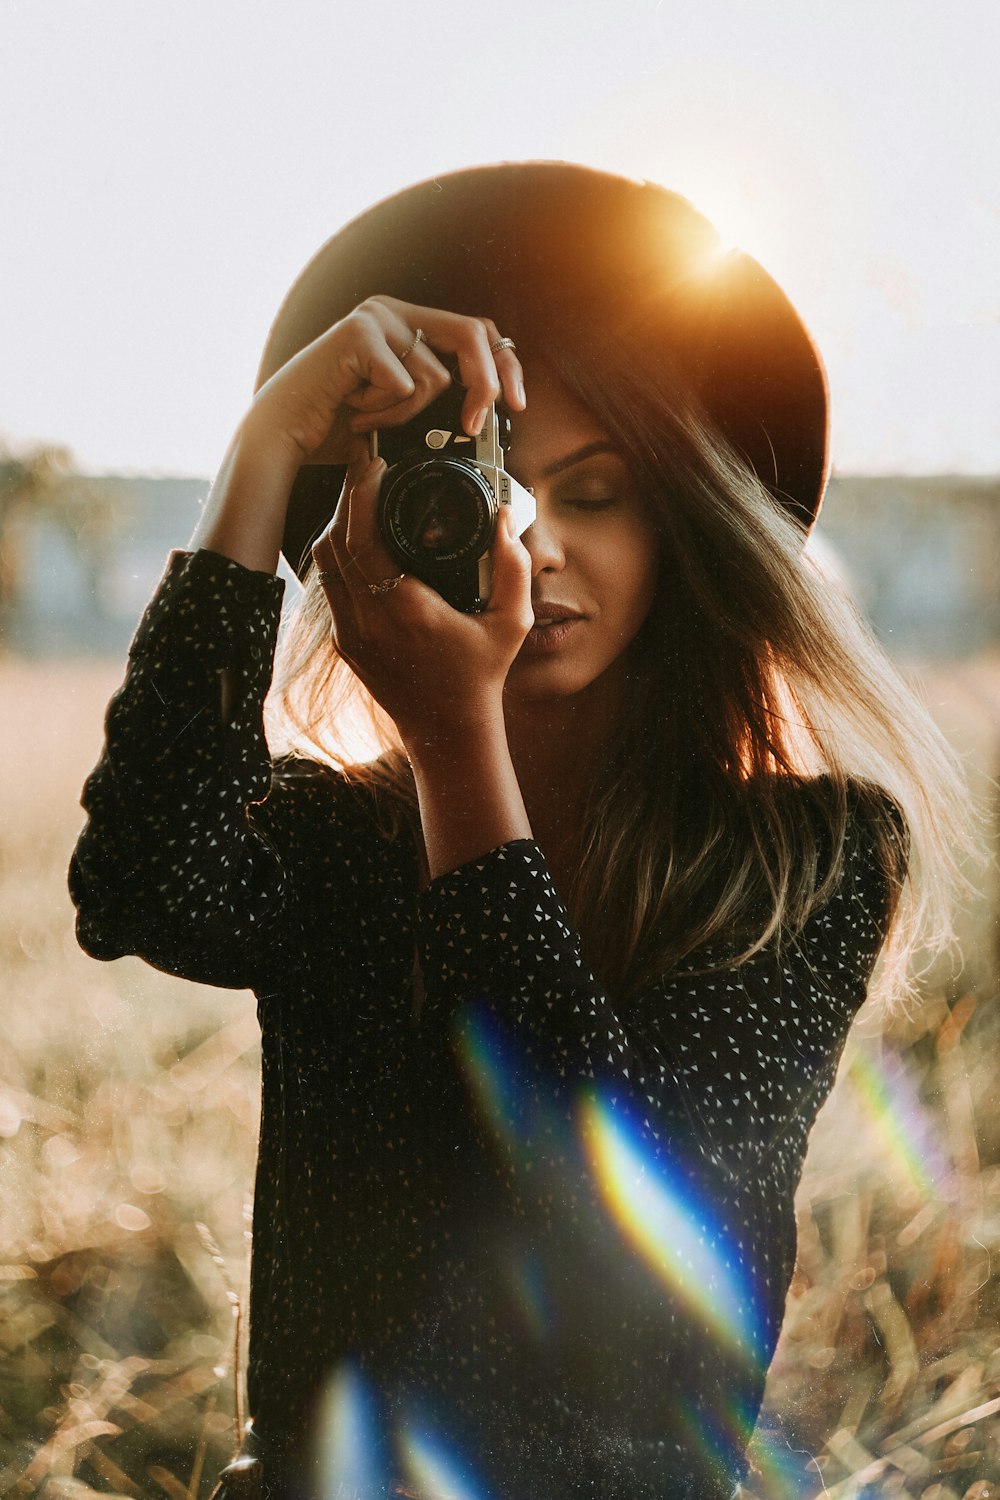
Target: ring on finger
(418,338)
(330,577)
(499,344)
(386,585)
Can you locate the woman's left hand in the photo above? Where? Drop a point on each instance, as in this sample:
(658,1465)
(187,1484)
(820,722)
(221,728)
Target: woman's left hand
(437,672)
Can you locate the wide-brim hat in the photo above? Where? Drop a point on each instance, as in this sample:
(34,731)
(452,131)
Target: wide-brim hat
(512,240)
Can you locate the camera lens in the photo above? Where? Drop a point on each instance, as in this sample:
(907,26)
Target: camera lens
(435,518)
(437,514)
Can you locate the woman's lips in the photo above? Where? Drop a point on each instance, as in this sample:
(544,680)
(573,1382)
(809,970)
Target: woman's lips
(554,624)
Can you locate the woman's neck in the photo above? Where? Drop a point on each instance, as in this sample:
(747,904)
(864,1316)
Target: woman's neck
(557,748)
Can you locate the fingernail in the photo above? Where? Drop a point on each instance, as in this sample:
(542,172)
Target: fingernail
(519,391)
(478,422)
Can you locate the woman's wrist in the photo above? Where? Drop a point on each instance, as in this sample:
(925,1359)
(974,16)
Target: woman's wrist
(244,515)
(469,798)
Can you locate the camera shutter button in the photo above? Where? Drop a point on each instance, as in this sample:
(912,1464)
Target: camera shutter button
(437,438)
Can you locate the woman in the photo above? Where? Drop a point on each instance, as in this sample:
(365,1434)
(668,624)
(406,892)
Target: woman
(552,989)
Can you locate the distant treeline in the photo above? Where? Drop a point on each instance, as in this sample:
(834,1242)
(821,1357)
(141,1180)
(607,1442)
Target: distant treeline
(922,556)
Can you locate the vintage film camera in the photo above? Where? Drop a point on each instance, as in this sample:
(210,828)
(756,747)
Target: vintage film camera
(440,501)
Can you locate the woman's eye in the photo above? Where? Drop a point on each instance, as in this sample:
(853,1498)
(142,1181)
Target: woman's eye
(603,503)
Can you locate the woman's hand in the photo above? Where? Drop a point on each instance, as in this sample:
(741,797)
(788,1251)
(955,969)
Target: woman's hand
(368,371)
(437,672)
(364,372)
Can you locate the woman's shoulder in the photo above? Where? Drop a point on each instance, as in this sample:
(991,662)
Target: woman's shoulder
(862,809)
(861,839)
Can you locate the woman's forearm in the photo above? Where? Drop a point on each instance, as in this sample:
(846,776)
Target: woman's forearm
(244,515)
(469,797)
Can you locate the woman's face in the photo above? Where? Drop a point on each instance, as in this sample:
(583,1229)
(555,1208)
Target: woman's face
(593,545)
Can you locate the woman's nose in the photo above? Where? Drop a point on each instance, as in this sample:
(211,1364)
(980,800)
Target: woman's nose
(544,545)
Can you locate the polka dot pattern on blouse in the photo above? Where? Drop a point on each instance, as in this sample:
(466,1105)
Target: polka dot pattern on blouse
(542,1236)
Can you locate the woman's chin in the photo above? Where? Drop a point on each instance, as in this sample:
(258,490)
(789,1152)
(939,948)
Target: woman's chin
(539,678)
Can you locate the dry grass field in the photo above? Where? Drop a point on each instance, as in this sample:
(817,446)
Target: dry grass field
(128,1114)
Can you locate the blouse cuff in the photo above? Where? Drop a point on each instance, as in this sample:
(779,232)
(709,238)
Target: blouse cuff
(210,604)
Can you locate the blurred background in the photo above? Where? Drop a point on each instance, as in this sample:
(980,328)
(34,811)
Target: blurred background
(166,170)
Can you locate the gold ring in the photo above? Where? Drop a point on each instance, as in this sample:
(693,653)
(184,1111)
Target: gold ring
(418,338)
(502,344)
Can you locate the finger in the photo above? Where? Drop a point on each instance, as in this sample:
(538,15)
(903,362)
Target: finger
(341,605)
(510,584)
(338,598)
(487,372)
(380,370)
(323,553)
(508,368)
(354,535)
(357,354)
(478,372)
(467,339)
(324,559)
(376,400)
(430,378)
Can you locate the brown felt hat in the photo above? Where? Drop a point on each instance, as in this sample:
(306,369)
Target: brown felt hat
(507,241)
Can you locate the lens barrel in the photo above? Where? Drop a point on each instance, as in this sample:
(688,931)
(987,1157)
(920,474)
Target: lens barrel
(436,516)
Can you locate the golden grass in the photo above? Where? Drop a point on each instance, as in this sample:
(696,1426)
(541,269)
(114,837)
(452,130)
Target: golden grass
(128,1120)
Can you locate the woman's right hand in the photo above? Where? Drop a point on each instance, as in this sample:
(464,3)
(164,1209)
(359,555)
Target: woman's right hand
(367,371)
(349,380)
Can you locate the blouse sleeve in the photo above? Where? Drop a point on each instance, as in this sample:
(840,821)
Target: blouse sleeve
(496,933)
(169,865)
(673,1125)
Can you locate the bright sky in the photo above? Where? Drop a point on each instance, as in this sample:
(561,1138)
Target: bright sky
(167,167)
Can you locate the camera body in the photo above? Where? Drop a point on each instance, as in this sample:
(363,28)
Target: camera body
(441,499)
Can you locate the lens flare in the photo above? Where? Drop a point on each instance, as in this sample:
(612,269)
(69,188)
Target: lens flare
(527,1279)
(434,1471)
(664,1221)
(500,1080)
(350,1458)
(719,1434)
(658,1212)
(779,1471)
(905,1131)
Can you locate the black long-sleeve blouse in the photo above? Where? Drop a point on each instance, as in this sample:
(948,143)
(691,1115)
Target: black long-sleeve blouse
(524,1242)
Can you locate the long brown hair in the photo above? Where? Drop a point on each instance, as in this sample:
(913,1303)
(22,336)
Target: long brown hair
(762,709)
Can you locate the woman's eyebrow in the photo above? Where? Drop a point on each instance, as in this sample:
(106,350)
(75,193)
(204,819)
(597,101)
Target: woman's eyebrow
(603,445)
